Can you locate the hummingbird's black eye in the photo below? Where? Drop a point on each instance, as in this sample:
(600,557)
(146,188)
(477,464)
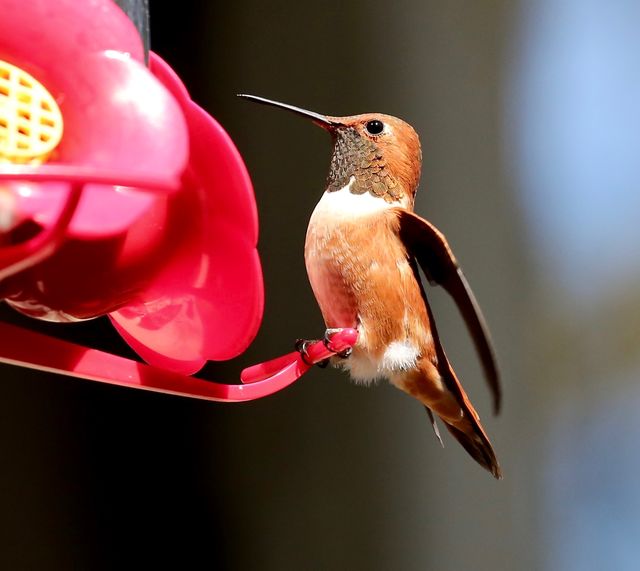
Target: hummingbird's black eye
(374,127)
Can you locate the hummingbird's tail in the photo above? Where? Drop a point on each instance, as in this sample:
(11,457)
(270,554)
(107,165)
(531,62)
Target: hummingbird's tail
(478,446)
(438,388)
(467,428)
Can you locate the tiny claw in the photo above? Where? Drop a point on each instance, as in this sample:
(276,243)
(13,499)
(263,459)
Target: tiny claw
(328,334)
(301,347)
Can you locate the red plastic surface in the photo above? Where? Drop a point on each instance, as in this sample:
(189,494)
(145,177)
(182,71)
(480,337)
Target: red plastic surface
(218,314)
(56,356)
(42,36)
(168,248)
(144,212)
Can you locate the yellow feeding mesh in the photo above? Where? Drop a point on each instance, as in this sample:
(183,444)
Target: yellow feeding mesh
(30,119)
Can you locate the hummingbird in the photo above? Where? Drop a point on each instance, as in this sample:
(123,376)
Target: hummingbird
(363,250)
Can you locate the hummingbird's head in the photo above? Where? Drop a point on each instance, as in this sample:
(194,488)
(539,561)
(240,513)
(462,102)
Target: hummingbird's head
(374,153)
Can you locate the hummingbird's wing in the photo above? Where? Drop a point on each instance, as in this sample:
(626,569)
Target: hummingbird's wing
(430,248)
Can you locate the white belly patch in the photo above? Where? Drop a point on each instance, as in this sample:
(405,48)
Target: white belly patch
(398,357)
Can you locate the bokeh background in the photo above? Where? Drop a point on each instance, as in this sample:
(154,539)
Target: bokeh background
(528,113)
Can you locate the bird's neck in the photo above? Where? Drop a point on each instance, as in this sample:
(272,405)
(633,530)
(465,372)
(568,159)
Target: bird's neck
(358,162)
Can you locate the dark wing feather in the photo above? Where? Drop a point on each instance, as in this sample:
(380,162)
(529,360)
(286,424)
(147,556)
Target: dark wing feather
(430,248)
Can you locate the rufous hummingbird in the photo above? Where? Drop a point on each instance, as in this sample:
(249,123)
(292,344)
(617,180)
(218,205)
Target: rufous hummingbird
(363,248)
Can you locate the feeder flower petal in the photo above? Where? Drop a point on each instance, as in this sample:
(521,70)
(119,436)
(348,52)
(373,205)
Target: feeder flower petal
(225,301)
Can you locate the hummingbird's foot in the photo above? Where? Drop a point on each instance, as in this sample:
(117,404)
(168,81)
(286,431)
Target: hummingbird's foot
(301,346)
(327,343)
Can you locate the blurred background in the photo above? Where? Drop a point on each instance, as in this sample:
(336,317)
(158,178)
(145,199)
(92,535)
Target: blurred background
(528,114)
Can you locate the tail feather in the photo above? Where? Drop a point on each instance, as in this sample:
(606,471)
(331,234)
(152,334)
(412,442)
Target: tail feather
(468,431)
(478,446)
(436,385)
(439,389)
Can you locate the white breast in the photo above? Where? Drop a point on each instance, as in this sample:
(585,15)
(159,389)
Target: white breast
(343,204)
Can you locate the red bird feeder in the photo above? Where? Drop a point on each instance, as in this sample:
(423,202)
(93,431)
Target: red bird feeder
(119,196)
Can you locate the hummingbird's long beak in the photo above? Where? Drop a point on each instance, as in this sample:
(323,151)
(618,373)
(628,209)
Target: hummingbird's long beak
(320,120)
